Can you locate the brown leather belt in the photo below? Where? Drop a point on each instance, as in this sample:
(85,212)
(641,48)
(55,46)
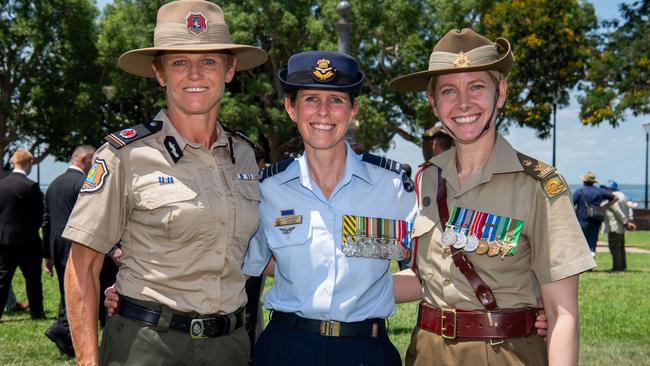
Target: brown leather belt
(455,323)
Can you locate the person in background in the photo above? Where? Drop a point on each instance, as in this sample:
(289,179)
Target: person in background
(60,198)
(619,217)
(178,194)
(435,141)
(585,198)
(21,215)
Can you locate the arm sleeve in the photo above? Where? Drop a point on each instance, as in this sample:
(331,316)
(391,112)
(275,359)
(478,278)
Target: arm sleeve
(257,255)
(99,215)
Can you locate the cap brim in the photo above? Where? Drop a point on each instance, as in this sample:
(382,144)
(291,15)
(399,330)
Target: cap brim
(288,87)
(418,81)
(138,62)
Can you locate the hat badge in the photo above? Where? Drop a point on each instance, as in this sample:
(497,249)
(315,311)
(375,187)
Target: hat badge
(462,60)
(323,70)
(196,23)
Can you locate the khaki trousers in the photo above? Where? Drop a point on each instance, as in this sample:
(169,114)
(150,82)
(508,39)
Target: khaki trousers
(427,349)
(127,342)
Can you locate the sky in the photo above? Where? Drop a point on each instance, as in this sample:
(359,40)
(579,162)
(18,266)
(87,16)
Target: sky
(612,153)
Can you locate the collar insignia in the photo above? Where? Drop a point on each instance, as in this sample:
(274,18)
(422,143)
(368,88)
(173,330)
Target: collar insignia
(323,71)
(196,23)
(462,60)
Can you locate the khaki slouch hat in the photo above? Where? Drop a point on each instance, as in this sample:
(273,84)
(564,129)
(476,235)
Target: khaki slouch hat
(190,26)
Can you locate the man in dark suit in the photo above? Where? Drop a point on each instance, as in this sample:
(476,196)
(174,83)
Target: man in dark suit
(21,215)
(59,201)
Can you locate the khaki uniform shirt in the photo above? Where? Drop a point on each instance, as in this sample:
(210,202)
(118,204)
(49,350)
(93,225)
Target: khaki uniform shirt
(184,227)
(551,246)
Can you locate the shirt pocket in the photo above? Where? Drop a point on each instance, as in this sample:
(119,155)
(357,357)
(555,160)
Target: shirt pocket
(290,246)
(249,189)
(172,207)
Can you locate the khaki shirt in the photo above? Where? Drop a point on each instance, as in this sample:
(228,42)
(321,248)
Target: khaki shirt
(551,246)
(183,239)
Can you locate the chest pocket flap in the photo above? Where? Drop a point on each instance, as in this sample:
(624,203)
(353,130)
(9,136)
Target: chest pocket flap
(422,225)
(288,235)
(155,196)
(249,189)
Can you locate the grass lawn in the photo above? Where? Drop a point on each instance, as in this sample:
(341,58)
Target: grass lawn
(639,239)
(614,313)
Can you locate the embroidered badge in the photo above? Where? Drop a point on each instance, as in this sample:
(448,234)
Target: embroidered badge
(287,217)
(196,23)
(554,186)
(462,60)
(128,133)
(96,177)
(323,71)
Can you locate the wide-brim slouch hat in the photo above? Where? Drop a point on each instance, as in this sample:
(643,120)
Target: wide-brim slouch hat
(590,177)
(459,51)
(190,26)
(322,70)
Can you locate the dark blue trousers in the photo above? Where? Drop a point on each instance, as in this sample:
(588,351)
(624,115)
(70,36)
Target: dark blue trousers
(281,345)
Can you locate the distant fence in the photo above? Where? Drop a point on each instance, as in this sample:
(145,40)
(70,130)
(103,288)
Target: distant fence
(642,218)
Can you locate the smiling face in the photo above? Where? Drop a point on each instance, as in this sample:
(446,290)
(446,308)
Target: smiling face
(465,102)
(194,82)
(322,116)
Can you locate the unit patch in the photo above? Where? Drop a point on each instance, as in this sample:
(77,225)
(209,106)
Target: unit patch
(554,186)
(96,177)
(196,23)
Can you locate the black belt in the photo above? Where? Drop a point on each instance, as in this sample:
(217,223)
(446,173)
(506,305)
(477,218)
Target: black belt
(331,328)
(210,326)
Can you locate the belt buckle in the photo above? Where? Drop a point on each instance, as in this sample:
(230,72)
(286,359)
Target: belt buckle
(330,328)
(444,315)
(197,329)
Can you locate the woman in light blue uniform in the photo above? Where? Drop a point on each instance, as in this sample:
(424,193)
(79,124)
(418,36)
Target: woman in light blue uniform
(331,221)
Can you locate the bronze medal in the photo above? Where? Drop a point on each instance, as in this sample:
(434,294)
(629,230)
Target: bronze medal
(483,247)
(495,246)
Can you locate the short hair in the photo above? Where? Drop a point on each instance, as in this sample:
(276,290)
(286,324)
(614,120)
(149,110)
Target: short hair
(81,151)
(21,157)
(444,140)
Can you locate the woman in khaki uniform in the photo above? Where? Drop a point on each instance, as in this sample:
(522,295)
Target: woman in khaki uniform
(495,229)
(176,193)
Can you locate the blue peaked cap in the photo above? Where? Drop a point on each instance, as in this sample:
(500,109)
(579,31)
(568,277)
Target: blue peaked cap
(322,70)
(611,185)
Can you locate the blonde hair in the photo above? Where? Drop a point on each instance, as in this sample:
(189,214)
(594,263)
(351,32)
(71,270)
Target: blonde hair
(21,157)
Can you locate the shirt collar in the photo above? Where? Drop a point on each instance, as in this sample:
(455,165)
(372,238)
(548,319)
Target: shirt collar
(503,159)
(168,129)
(19,171)
(74,167)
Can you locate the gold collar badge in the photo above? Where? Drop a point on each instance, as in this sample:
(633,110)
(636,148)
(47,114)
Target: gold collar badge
(462,60)
(323,70)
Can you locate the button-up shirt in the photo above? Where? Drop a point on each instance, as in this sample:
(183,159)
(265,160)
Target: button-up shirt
(184,226)
(313,277)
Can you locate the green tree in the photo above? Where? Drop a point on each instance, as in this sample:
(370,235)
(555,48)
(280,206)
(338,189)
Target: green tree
(47,68)
(618,78)
(389,38)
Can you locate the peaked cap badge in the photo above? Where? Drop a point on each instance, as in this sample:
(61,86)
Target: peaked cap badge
(196,23)
(323,71)
(462,60)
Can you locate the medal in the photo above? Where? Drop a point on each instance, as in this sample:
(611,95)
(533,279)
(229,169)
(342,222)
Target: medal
(448,237)
(483,247)
(461,240)
(472,244)
(495,246)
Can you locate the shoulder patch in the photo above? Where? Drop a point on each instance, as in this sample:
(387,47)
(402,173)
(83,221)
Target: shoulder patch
(126,136)
(391,165)
(274,169)
(535,168)
(554,185)
(239,134)
(96,177)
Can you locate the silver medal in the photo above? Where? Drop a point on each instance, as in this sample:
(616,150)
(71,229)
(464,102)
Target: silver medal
(448,237)
(472,244)
(461,240)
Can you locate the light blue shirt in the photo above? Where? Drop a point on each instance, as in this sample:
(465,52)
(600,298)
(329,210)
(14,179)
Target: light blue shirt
(313,278)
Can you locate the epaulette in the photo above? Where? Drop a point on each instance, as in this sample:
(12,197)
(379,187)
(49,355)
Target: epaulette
(126,136)
(274,169)
(238,134)
(552,183)
(391,165)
